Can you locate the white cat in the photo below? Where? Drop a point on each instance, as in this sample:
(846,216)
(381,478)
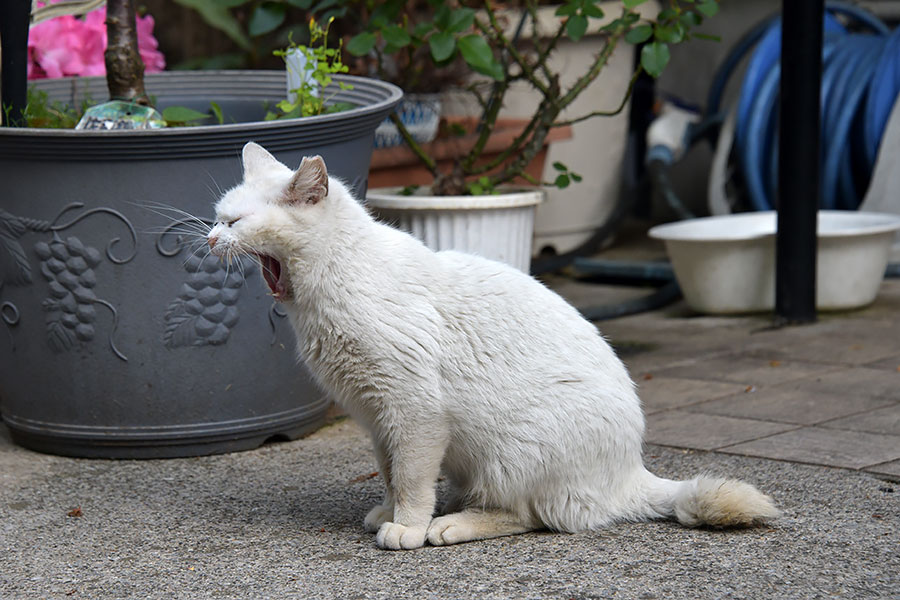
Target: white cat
(461,364)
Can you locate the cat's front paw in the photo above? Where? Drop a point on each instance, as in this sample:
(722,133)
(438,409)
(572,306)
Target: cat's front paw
(377,517)
(394,536)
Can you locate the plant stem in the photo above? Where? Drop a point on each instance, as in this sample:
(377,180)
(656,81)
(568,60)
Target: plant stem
(513,148)
(124,67)
(594,71)
(606,113)
(488,122)
(495,32)
(429,162)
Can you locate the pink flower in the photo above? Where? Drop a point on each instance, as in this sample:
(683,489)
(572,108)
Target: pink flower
(67,46)
(54,49)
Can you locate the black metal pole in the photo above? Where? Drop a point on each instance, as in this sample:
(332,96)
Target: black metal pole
(15,16)
(798,161)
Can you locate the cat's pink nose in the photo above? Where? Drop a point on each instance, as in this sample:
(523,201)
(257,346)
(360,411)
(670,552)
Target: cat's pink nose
(212,241)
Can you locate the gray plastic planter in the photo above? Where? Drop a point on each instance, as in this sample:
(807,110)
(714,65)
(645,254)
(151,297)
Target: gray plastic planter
(116,339)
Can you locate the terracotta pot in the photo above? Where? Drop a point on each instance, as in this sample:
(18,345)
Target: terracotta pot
(400,167)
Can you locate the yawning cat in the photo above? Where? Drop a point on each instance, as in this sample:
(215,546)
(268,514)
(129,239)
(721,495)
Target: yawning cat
(461,364)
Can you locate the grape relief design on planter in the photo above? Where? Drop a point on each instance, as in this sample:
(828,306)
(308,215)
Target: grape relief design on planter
(205,311)
(68,266)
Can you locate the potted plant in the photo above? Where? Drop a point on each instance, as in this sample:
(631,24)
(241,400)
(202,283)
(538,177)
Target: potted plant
(462,207)
(121,339)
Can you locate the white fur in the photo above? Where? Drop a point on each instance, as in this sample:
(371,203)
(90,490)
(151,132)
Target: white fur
(456,363)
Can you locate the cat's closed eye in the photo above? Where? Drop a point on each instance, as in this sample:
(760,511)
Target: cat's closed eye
(230,222)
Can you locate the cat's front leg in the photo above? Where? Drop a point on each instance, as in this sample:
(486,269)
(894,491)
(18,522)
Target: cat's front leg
(415,465)
(384,512)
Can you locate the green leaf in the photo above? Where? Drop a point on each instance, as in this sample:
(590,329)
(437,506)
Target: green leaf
(461,20)
(304,4)
(217,15)
(478,55)
(338,107)
(396,36)
(562,181)
(639,34)
(422,29)
(442,45)
(654,58)
(576,26)
(182,114)
(217,112)
(632,3)
(384,13)
(690,19)
(323,5)
(592,10)
(567,10)
(442,17)
(671,34)
(361,44)
(285,106)
(265,18)
(613,25)
(708,8)
(575,177)
(707,36)
(560,167)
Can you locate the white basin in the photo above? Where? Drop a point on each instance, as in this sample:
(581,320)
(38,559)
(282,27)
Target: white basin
(726,264)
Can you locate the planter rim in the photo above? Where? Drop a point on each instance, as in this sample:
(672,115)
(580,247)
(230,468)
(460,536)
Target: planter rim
(391,199)
(390,96)
(759,225)
(374,100)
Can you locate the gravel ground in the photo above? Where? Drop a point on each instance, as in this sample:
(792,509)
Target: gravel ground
(285,521)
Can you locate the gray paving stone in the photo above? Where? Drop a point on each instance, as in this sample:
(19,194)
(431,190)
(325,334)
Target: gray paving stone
(805,402)
(859,344)
(746,370)
(891,363)
(853,382)
(685,429)
(661,393)
(643,364)
(883,420)
(891,469)
(830,447)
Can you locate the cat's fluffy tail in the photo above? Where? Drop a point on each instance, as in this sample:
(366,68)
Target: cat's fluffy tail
(710,501)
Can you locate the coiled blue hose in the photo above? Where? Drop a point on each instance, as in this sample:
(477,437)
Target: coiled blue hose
(860,83)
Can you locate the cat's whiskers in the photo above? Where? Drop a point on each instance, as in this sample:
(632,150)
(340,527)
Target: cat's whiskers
(218,193)
(165,210)
(196,252)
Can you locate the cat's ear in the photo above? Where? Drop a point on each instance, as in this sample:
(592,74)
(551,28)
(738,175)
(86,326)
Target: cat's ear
(256,160)
(309,184)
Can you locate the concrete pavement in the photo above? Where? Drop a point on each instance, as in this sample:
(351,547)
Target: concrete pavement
(808,414)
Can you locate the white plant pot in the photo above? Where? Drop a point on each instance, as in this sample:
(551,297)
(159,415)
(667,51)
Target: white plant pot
(499,227)
(726,264)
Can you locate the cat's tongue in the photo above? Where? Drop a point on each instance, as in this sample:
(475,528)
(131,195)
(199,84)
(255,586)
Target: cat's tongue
(271,270)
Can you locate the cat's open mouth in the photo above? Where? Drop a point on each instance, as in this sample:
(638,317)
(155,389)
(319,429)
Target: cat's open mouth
(274,276)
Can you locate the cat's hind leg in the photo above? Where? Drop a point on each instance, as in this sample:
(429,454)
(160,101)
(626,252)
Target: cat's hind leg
(472,524)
